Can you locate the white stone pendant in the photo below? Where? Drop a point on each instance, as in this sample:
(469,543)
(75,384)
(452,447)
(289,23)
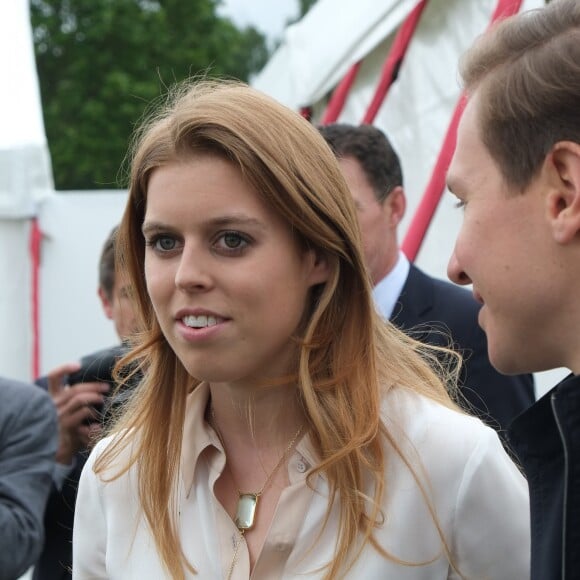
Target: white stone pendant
(247,504)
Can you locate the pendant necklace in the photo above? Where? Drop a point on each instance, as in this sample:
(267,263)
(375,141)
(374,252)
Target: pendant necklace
(248,501)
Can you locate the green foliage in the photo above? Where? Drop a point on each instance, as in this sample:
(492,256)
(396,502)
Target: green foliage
(101,62)
(305,6)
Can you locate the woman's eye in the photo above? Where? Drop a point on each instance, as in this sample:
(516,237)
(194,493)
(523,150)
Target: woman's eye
(459,204)
(166,244)
(232,242)
(162,243)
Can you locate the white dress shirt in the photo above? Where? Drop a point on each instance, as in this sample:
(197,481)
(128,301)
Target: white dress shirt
(479,496)
(387,291)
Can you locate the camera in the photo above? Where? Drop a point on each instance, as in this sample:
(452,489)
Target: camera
(98,367)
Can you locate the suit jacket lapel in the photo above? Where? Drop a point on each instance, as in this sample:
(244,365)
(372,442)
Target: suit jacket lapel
(415,301)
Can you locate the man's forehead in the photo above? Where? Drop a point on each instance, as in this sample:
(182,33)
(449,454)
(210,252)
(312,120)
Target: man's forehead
(467,150)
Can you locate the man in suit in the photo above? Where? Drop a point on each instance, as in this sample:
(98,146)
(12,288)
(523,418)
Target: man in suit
(433,311)
(78,390)
(28,440)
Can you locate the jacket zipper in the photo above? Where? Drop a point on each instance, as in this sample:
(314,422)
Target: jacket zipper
(566,467)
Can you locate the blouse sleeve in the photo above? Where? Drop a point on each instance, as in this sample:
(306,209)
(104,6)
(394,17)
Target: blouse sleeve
(90,532)
(492,521)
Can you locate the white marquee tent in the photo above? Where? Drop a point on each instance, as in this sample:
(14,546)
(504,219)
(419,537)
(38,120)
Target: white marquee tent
(49,314)
(48,304)
(320,50)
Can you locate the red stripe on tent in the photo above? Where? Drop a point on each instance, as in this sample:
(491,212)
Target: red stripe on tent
(394,60)
(430,200)
(432,196)
(505,8)
(35,241)
(336,103)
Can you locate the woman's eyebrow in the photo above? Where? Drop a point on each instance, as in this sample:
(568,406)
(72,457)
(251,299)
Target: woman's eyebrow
(236,219)
(152,227)
(221,221)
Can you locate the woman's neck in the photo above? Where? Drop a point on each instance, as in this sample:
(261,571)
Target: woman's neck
(262,418)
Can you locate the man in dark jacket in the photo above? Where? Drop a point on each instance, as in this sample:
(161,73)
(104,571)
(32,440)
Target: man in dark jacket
(79,392)
(28,438)
(434,311)
(516,171)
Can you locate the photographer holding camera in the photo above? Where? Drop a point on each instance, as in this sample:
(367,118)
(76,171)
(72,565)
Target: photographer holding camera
(79,392)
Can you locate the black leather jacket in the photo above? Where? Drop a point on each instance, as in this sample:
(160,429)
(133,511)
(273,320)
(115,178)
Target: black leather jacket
(546,439)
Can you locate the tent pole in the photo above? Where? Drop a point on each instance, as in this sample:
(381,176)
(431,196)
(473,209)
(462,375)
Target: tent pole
(394,60)
(35,241)
(336,103)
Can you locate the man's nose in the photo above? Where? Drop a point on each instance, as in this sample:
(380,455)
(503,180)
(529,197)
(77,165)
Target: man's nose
(455,272)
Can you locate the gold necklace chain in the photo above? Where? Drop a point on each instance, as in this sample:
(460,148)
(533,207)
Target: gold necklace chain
(276,467)
(235,556)
(248,501)
(272,472)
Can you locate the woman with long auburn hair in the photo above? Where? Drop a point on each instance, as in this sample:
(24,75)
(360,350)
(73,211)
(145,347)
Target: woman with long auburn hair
(281,428)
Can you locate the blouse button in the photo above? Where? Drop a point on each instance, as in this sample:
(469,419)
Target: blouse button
(301,466)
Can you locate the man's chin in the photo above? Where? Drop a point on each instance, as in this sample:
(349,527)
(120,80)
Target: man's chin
(510,364)
(502,358)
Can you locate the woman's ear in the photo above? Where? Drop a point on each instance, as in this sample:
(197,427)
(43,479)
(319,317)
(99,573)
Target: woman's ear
(563,198)
(319,267)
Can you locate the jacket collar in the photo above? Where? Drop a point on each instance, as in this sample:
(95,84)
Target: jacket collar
(416,299)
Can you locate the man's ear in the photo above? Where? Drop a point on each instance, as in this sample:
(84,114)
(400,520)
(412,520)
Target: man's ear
(563,198)
(395,205)
(106,304)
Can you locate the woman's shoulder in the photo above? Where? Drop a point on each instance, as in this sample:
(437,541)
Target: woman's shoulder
(107,442)
(404,400)
(111,454)
(457,453)
(433,427)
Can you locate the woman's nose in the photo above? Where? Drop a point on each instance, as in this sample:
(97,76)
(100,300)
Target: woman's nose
(193,272)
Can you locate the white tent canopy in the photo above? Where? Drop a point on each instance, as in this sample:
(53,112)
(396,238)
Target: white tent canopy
(73,225)
(25,176)
(319,50)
